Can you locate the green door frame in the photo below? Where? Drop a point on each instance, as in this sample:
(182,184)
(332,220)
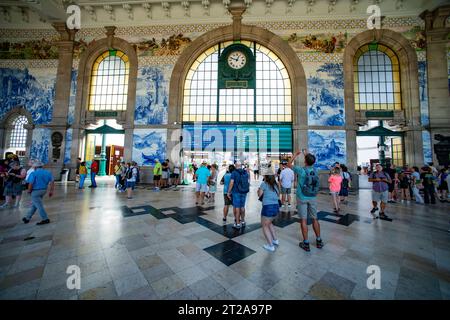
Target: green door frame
(103,130)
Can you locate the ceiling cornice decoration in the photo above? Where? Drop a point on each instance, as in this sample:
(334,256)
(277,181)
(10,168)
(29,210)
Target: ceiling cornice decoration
(350,25)
(332,6)
(166,7)
(110,10)
(186,6)
(129,9)
(148,9)
(206,4)
(353,5)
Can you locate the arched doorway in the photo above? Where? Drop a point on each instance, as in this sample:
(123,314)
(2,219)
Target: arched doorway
(381,86)
(220,113)
(17,132)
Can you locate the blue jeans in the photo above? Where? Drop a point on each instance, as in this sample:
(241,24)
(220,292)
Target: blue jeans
(239,200)
(36,201)
(93,183)
(82,178)
(117,181)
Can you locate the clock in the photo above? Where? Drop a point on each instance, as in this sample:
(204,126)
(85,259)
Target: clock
(237,60)
(237,67)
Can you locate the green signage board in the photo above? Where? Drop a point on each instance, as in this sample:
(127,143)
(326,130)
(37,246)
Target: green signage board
(105,114)
(379,114)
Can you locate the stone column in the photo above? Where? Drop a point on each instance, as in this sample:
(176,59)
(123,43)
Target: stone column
(439,100)
(62,94)
(413,144)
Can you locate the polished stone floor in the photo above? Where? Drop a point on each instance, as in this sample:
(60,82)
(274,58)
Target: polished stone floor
(162,246)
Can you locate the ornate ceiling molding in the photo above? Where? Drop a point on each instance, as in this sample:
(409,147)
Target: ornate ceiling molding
(96,13)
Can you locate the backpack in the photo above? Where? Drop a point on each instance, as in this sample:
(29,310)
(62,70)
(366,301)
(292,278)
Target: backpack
(129,173)
(310,187)
(345,181)
(138,175)
(243,185)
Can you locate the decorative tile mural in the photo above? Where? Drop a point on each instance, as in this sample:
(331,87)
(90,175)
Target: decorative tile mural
(33,89)
(325,94)
(68,145)
(72,98)
(328,146)
(152,95)
(40,145)
(149,145)
(423,92)
(321,42)
(448,65)
(427,153)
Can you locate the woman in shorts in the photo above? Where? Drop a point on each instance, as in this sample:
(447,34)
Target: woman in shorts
(269,194)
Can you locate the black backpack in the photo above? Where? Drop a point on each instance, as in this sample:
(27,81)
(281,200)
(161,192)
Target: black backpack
(138,175)
(243,185)
(345,181)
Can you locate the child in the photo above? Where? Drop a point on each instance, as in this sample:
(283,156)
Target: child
(212,182)
(82,171)
(269,194)
(335,181)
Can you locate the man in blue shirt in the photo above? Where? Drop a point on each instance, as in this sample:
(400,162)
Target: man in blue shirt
(202,175)
(306,205)
(39,181)
(238,198)
(227,201)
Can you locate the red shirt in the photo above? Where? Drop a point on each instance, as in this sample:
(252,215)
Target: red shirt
(94,167)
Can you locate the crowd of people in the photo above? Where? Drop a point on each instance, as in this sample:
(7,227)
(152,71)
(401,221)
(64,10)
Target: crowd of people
(389,185)
(15,180)
(424,185)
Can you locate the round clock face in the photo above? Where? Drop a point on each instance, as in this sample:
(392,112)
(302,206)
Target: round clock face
(237,60)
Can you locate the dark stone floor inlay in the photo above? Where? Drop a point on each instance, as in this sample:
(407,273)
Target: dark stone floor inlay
(345,220)
(137,211)
(229,252)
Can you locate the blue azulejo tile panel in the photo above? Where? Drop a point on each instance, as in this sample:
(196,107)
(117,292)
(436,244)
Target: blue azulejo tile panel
(68,146)
(72,98)
(32,89)
(427,152)
(40,146)
(325,94)
(149,145)
(423,92)
(328,146)
(152,94)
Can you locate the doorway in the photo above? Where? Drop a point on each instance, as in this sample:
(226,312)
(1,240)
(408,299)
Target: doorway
(104,143)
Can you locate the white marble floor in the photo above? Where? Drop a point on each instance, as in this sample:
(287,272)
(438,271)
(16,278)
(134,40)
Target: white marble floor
(146,253)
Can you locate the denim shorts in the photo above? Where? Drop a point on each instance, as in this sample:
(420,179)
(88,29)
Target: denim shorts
(239,200)
(270,210)
(285,190)
(131,184)
(201,187)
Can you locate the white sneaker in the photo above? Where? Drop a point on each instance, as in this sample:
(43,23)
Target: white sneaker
(270,248)
(276,242)
(289,206)
(243,223)
(237,226)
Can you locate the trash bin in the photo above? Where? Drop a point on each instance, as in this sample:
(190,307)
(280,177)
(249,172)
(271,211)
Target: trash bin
(64,175)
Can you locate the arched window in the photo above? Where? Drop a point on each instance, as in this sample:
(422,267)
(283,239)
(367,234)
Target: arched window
(269,102)
(109,82)
(18,138)
(376,78)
